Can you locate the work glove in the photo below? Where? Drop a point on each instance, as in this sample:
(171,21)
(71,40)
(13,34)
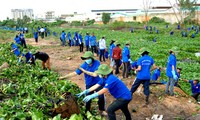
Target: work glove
(83,93)
(130,60)
(174,75)
(89,97)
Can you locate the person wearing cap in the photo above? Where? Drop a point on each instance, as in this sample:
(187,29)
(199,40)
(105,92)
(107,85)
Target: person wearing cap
(117,56)
(102,47)
(125,59)
(145,62)
(86,38)
(90,64)
(171,72)
(92,43)
(80,40)
(44,57)
(111,47)
(117,89)
(195,87)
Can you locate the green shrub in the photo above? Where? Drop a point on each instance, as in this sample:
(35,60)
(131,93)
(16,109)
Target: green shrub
(157,20)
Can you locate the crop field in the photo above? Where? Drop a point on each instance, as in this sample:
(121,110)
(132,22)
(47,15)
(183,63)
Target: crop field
(28,92)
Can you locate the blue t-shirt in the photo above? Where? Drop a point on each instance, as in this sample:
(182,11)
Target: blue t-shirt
(17,40)
(134,64)
(125,54)
(112,46)
(195,88)
(28,56)
(156,74)
(63,35)
(69,36)
(171,61)
(17,51)
(80,39)
(35,34)
(92,40)
(89,80)
(116,87)
(145,62)
(87,37)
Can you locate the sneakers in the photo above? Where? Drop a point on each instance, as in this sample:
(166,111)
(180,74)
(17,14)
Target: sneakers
(104,113)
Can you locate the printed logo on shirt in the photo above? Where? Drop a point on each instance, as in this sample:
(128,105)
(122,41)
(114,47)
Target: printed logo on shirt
(146,62)
(106,84)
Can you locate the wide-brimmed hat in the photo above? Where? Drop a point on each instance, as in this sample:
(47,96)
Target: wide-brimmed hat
(143,51)
(174,49)
(103,70)
(87,55)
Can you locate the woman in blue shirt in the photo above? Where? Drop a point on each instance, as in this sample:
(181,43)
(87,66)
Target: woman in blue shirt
(112,46)
(91,65)
(117,89)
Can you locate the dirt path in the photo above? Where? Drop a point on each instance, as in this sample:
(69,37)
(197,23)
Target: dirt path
(65,60)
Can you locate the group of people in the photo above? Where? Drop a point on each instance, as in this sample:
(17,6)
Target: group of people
(20,50)
(100,78)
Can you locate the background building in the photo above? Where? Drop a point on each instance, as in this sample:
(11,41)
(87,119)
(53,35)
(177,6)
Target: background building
(20,13)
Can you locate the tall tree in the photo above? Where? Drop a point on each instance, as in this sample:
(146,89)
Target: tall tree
(146,7)
(186,9)
(105,18)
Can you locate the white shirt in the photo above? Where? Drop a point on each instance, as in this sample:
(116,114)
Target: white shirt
(41,29)
(102,44)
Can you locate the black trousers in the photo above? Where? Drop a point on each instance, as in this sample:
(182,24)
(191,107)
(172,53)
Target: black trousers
(117,64)
(87,47)
(81,47)
(23,42)
(102,54)
(93,49)
(121,104)
(195,96)
(42,35)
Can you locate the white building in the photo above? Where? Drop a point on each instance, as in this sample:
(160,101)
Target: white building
(20,13)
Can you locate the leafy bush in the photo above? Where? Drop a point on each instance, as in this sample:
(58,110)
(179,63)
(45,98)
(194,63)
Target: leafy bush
(157,20)
(76,23)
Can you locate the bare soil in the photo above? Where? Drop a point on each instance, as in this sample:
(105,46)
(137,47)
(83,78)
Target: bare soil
(181,106)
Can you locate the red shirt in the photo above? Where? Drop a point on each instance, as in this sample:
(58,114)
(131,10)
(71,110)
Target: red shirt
(117,53)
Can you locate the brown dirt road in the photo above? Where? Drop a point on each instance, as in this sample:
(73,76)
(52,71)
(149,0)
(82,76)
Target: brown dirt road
(180,106)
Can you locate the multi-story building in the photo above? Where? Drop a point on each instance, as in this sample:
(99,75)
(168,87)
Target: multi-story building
(50,15)
(20,13)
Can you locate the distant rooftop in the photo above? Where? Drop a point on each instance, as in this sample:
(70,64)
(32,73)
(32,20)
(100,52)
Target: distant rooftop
(111,10)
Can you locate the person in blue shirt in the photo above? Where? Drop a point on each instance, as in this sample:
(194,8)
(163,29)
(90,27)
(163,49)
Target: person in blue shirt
(117,89)
(17,40)
(195,87)
(125,59)
(145,62)
(156,74)
(76,38)
(171,72)
(45,31)
(29,57)
(63,38)
(134,66)
(69,38)
(36,34)
(90,65)
(92,43)
(111,47)
(178,27)
(80,40)
(171,33)
(86,38)
(15,49)
(22,39)
(178,73)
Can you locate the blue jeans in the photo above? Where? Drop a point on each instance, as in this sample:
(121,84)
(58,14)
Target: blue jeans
(170,86)
(116,105)
(145,85)
(101,101)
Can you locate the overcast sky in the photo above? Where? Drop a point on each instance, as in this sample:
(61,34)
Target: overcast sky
(70,6)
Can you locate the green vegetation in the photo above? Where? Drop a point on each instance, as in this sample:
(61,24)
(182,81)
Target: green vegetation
(26,91)
(105,18)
